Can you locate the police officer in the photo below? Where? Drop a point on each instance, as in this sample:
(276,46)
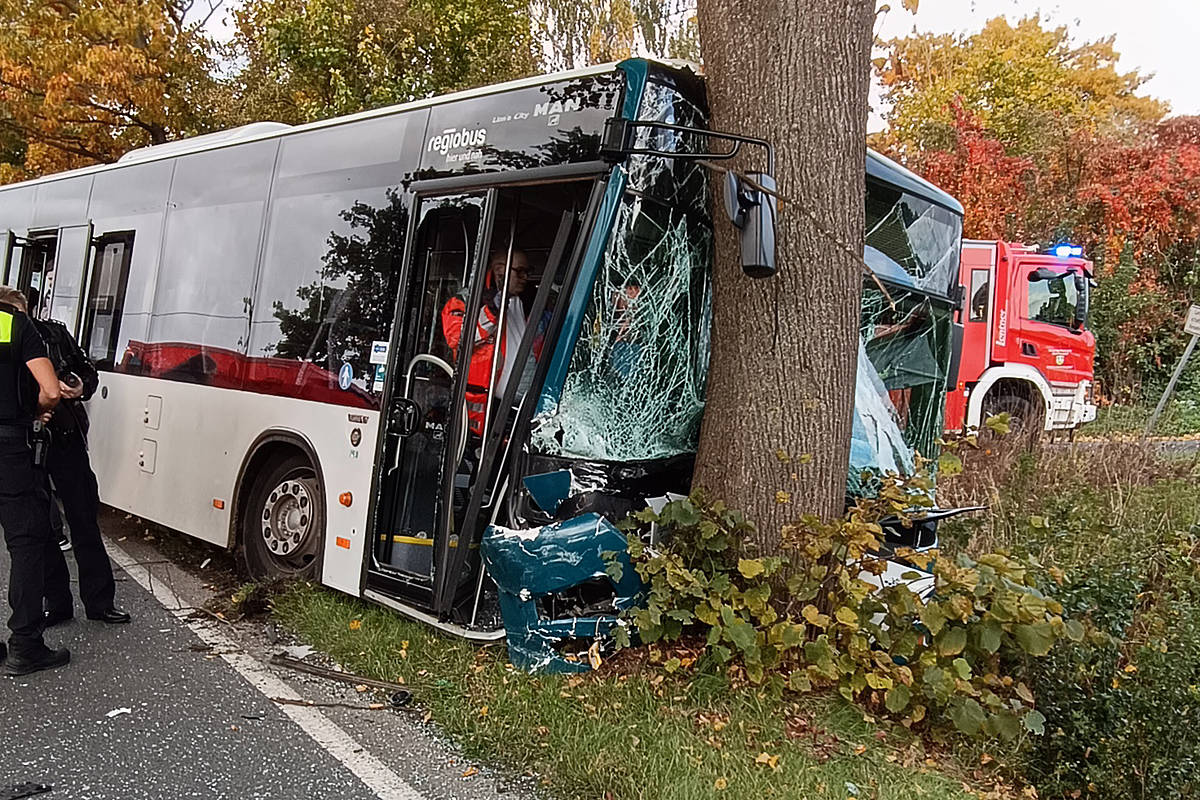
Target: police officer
(29,391)
(75,485)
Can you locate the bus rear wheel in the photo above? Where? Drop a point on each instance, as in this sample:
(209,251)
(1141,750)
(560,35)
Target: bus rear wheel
(283,524)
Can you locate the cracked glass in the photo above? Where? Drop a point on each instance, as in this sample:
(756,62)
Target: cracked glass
(635,386)
(900,388)
(911,241)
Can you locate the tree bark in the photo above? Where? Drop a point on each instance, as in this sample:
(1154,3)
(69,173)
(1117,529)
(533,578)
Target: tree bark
(776,435)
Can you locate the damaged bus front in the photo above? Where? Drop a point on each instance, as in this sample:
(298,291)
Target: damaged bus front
(546,373)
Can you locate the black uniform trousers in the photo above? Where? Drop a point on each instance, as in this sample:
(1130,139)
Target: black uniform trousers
(25,517)
(75,485)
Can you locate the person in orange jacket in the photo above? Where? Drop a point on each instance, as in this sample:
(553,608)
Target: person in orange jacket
(486,323)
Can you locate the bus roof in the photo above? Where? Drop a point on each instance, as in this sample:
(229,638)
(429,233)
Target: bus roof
(266,130)
(884,169)
(878,166)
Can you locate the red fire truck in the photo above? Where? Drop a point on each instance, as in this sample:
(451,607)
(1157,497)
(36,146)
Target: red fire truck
(1025,348)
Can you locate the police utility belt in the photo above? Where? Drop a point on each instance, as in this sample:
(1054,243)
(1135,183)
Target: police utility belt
(33,435)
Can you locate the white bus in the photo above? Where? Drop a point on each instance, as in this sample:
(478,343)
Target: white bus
(268,307)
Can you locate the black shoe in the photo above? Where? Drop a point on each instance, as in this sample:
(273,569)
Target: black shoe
(113,616)
(58,618)
(45,659)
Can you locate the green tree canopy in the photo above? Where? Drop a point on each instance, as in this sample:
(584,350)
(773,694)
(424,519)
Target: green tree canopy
(312,59)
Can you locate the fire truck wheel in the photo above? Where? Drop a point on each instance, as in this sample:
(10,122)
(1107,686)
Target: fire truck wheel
(283,521)
(1025,419)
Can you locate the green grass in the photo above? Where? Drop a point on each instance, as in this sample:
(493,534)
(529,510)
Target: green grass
(622,734)
(1117,503)
(1181,417)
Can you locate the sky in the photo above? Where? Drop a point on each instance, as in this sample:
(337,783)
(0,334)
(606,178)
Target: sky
(1153,36)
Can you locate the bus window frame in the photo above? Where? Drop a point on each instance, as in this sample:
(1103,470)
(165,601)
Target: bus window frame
(87,316)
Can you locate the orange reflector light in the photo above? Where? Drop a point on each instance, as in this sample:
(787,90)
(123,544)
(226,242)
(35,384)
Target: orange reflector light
(345,498)
(218,504)
(343,543)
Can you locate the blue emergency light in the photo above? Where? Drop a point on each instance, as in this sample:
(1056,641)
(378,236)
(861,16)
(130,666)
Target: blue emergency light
(1067,251)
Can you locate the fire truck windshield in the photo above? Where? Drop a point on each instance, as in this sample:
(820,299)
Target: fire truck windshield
(1058,299)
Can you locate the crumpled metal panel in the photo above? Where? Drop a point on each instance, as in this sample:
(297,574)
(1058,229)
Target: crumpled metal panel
(530,565)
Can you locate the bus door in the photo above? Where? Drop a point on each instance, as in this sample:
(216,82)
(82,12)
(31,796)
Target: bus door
(481,267)
(34,275)
(64,295)
(419,431)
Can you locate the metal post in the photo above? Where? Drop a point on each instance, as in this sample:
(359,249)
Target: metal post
(1187,354)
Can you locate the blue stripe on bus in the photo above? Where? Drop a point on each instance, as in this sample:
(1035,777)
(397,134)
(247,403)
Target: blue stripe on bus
(635,71)
(582,295)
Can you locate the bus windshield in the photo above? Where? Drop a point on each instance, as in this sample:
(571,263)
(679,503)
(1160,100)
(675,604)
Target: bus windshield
(903,359)
(913,248)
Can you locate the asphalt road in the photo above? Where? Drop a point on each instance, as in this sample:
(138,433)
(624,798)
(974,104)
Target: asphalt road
(180,705)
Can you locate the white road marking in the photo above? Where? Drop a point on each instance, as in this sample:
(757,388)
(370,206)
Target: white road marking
(377,776)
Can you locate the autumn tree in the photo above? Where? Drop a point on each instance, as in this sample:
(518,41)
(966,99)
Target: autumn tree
(83,81)
(992,185)
(777,426)
(1029,86)
(304,60)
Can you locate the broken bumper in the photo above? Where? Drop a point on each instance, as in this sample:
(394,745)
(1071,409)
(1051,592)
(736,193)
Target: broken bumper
(531,567)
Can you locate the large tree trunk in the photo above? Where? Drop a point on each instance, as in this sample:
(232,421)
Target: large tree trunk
(776,434)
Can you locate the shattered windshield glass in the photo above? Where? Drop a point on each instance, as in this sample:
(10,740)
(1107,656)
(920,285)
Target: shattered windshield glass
(900,390)
(635,387)
(910,241)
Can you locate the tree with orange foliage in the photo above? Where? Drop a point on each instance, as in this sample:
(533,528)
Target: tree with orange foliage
(993,186)
(83,81)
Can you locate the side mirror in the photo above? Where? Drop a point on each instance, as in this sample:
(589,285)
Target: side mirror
(958,296)
(753,211)
(1082,301)
(1045,274)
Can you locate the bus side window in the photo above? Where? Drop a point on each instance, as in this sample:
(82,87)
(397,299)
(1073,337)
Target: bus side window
(106,298)
(980,294)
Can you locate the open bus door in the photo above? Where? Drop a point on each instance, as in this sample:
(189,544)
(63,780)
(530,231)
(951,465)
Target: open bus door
(440,460)
(12,258)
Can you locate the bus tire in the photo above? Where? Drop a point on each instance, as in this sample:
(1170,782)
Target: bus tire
(283,521)
(1025,418)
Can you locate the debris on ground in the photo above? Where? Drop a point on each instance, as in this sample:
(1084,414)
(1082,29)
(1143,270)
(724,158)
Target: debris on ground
(400,694)
(22,790)
(299,651)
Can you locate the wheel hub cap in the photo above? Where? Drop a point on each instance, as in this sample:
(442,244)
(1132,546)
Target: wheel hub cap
(287,518)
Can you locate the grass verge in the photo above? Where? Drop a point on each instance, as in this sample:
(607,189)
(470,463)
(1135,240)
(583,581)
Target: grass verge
(620,734)
(1181,418)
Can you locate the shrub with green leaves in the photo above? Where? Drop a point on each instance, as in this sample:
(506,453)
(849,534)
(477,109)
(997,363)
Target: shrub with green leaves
(1123,706)
(821,614)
